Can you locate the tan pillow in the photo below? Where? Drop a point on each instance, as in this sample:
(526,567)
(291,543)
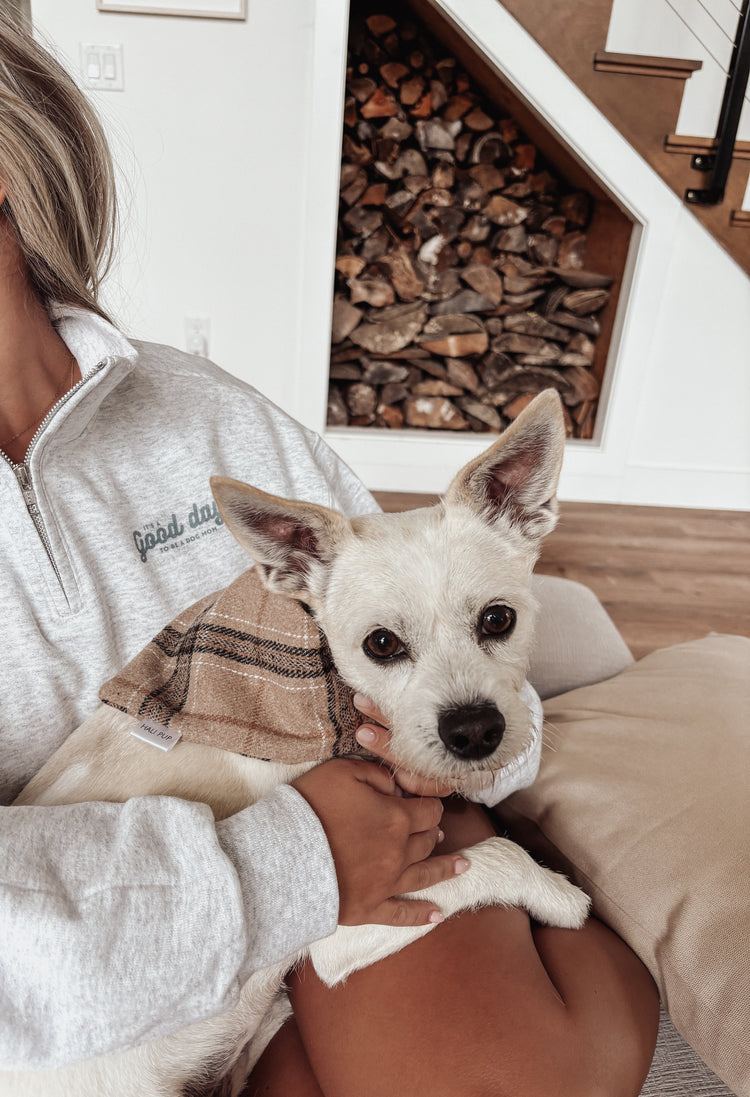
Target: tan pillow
(644,790)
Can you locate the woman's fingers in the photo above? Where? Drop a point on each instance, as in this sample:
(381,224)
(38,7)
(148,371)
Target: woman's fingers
(423,814)
(420,846)
(408,912)
(423,786)
(433,870)
(400,911)
(369,709)
(379,778)
(377,740)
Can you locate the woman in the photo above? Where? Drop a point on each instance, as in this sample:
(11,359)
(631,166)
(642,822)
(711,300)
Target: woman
(110,531)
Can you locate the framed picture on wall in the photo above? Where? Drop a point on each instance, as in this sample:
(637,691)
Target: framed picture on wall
(203,9)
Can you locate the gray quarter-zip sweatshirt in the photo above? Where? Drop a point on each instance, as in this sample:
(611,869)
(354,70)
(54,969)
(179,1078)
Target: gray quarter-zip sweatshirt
(108,531)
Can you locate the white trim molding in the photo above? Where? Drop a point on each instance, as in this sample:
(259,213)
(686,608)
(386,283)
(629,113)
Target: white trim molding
(201,9)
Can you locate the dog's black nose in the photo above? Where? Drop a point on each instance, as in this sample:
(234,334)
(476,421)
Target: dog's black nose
(472,732)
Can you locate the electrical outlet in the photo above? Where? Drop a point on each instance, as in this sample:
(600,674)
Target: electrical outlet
(197,330)
(102,67)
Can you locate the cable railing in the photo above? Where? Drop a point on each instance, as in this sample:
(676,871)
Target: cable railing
(702,30)
(718,162)
(714,44)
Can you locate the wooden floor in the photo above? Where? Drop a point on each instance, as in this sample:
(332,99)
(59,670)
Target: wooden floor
(664,575)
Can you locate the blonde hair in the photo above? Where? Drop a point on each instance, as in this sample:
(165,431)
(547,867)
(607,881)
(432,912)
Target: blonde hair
(57,172)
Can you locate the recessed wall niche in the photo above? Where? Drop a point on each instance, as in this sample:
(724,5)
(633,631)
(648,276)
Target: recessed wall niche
(477,261)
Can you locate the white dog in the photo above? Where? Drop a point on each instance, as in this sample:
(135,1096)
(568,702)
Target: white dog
(429,613)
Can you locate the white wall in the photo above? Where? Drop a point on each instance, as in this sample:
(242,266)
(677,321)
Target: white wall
(236,131)
(210,131)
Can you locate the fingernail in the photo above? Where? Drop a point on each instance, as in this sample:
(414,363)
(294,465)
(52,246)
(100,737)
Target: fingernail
(436,917)
(366,736)
(360,701)
(460,865)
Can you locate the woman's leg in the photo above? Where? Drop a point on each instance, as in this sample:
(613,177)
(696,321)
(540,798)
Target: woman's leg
(283,1069)
(484,1005)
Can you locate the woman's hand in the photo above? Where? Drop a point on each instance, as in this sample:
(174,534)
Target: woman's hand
(381,842)
(376,738)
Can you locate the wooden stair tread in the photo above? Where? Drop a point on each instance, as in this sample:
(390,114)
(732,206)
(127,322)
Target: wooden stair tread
(693,146)
(636,64)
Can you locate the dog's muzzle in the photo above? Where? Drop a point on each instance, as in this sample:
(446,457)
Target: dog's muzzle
(473,731)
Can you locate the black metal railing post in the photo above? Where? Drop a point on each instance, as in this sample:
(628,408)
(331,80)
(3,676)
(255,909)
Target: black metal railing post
(719,161)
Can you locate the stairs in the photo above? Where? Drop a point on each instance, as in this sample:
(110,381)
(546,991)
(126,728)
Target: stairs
(641,96)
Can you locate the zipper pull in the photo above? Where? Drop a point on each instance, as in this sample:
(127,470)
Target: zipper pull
(24,479)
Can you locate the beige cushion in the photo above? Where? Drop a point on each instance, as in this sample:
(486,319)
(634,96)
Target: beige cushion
(644,790)
(576,641)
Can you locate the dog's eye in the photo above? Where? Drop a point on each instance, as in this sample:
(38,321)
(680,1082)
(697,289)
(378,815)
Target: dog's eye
(382,644)
(497,621)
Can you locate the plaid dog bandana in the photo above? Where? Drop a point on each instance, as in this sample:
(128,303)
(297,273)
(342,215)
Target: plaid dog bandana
(245,670)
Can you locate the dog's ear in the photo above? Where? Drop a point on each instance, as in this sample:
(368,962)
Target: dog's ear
(517,476)
(292,543)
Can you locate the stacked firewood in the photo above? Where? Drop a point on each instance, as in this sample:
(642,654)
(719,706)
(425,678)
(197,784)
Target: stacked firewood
(461,280)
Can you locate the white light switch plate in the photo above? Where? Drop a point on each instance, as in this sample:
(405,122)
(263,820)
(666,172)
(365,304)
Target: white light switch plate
(101,67)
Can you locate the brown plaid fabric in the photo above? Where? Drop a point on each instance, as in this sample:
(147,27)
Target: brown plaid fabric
(245,670)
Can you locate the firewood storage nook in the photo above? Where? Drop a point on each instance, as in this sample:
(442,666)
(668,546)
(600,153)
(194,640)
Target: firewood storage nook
(477,261)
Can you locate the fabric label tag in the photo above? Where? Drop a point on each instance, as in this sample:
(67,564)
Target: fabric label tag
(158,736)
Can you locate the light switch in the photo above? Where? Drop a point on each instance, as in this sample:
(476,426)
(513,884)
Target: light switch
(93,67)
(102,67)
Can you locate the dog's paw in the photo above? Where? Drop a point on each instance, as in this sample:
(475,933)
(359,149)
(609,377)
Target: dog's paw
(350,948)
(566,906)
(503,873)
(500,874)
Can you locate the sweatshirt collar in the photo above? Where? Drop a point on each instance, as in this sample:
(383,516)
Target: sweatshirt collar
(90,338)
(104,357)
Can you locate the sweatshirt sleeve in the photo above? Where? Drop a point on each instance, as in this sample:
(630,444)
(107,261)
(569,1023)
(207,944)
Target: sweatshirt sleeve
(125,922)
(346,492)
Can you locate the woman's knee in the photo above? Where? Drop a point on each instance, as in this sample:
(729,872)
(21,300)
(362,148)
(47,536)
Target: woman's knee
(476,1009)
